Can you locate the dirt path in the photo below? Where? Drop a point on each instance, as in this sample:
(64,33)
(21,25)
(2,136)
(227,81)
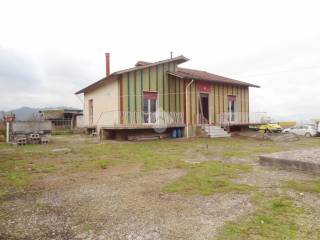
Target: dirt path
(119,207)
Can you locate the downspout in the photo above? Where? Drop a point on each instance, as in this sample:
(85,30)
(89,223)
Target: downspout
(187,107)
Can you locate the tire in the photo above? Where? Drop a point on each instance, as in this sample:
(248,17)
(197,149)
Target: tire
(308,135)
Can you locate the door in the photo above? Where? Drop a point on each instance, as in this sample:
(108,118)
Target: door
(203,107)
(149,107)
(231,108)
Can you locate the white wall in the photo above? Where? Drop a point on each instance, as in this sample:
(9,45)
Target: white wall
(105,105)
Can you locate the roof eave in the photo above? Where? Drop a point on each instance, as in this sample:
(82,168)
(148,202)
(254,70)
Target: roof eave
(94,85)
(206,80)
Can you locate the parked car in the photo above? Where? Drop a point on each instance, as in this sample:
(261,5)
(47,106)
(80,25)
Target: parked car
(268,127)
(304,130)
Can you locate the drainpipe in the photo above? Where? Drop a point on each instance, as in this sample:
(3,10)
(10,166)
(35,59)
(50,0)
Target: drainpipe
(187,107)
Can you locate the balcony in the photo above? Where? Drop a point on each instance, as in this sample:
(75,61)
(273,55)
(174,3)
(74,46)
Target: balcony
(241,118)
(142,120)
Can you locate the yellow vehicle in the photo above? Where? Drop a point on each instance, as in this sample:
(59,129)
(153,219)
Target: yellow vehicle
(268,127)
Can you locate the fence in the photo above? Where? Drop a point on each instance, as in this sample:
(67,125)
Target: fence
(229,118)
(125,118)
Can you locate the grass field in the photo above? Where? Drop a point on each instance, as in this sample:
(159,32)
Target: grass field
(275,204)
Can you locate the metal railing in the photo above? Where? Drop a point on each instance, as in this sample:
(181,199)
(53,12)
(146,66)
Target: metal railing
(125,118)
(201,120)
(227,118)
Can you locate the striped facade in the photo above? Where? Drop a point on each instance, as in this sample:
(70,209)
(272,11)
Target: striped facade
(171,93)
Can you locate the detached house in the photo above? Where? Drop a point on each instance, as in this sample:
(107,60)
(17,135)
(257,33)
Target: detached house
(157,98)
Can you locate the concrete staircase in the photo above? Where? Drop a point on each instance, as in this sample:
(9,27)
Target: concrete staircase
(215,131)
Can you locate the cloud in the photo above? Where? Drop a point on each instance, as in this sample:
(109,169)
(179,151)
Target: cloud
(17,71)
(47,80)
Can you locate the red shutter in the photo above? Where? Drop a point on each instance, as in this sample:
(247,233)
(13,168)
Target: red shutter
(150,95)
(231,97)
(203,87)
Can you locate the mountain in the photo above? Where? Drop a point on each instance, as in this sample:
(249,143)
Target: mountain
(27,113)
(23,113)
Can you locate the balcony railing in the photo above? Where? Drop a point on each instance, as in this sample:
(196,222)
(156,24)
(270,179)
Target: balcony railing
(137,119)
(238,118)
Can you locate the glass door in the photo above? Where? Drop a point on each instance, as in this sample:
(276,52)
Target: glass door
(231,108)
(149,107)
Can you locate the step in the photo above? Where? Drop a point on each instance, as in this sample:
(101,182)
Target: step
(215,131)
(220,136)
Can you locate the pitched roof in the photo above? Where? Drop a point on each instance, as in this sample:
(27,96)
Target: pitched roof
(140,65)
(187,73)
(179,59)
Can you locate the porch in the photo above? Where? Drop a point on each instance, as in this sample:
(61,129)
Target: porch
(227,119)
(139,120)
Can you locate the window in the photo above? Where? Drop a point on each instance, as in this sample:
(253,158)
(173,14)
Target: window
(149,107)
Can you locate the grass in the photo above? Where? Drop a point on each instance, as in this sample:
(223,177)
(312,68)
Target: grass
(275,217)
(210,177)
(20,166)
(312,186)
(63,131)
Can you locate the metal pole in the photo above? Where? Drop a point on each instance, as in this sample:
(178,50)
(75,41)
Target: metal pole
(187,108)
(8,132)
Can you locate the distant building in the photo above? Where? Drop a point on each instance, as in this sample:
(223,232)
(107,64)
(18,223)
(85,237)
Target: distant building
(63,118)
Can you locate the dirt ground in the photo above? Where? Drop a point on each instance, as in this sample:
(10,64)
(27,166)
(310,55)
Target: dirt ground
(119,207)
(126,202)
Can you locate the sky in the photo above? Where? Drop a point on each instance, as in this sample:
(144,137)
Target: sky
(51,49)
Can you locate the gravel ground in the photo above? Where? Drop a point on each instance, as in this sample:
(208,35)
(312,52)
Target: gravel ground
(119,206)
(306,155)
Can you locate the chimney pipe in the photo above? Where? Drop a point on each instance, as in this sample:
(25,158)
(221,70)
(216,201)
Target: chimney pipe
(107,64)
(171,53)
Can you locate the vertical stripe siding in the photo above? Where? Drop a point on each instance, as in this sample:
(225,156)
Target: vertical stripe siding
(163,90)
(135,91)
(190,104)
(175,95)
(141,87)
(169,90)
(121,99)
(149,79)
(128,86)
(157,79)
(180,110)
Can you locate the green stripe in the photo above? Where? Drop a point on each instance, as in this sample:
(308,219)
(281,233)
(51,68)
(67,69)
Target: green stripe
(157,79)
(163,90)
(141,94)
(179,95)
(169,88)
(175,88)
(128,86)
(175,94)
(135,91)
(149,79)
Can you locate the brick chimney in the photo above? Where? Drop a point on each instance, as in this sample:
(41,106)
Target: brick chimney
(107,64)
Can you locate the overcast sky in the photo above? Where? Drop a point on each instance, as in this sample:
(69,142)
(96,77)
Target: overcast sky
(50,49)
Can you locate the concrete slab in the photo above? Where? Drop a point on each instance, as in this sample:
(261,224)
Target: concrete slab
(304,160)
